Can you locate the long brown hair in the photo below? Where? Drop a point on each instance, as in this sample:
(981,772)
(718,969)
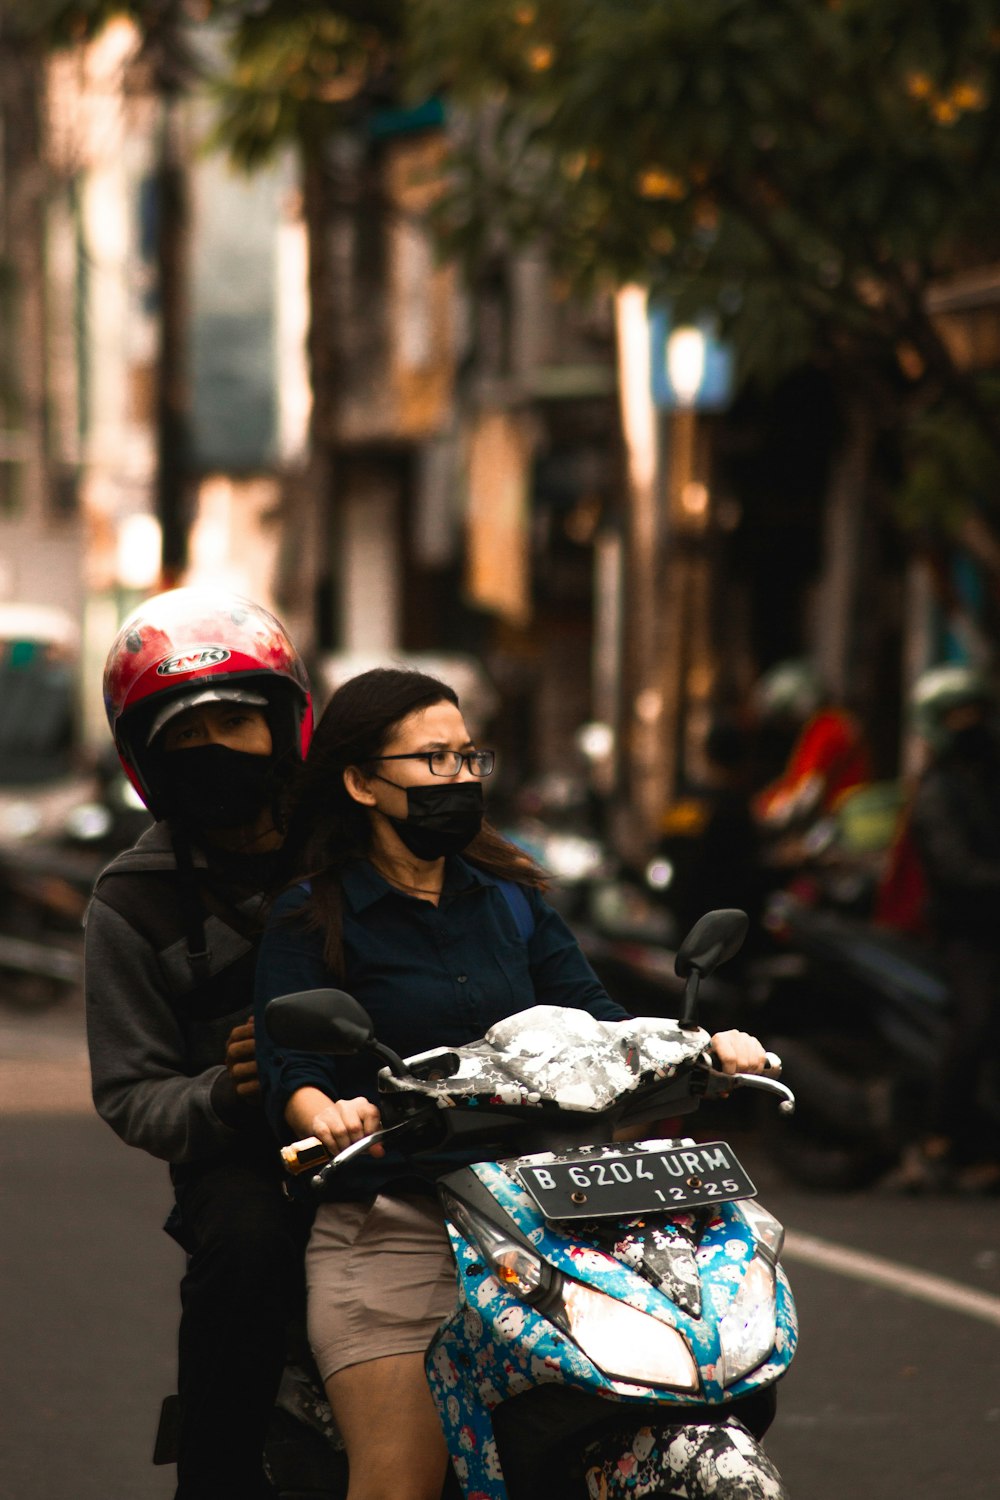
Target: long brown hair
(328,828)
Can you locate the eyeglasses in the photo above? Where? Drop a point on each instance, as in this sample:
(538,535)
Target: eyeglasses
(450,762)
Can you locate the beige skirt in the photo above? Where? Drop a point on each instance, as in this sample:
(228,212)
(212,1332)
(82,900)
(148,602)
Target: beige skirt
(381,1278)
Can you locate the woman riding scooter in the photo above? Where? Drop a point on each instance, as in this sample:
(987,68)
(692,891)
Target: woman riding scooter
(438,926)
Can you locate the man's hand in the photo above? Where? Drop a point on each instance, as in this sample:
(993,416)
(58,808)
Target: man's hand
(241,1061)
(738,1052)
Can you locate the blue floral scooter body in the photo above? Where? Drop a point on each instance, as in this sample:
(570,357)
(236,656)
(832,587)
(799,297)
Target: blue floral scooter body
(685,1270)
(496,1345)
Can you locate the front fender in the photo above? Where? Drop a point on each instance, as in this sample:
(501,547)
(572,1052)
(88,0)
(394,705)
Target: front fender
(693,1462)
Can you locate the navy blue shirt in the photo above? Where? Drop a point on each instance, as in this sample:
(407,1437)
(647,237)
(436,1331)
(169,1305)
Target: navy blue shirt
(429,976)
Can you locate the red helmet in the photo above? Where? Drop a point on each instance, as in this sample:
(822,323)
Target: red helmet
(192,646)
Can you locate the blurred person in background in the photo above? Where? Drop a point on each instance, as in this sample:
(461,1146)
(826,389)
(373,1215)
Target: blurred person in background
(210,710)
(712,838)
(829,756)
(954,825)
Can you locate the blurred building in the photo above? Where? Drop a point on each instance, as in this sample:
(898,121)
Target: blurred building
(88,531)
(471,433)
(40,531)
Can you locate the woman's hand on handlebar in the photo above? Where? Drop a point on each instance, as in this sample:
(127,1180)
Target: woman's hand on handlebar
(738,1052)
(336,1122)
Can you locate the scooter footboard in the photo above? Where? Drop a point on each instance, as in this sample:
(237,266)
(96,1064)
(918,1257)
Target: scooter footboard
(697,1462)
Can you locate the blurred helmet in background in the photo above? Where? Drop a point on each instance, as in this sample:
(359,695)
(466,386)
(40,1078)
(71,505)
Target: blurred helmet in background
(939,691)
(790,690)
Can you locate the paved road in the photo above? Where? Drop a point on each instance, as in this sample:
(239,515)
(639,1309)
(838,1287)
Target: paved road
(891,1397)
(88,1286)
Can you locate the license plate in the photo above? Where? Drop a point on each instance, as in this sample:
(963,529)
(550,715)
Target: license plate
(619,1185)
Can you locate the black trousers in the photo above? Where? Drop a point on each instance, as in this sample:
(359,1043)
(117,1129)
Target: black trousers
(243,1287)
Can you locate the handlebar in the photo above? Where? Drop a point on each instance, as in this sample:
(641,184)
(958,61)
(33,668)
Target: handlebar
(305,1155)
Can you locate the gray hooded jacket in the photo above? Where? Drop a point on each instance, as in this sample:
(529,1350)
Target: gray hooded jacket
(157,1024)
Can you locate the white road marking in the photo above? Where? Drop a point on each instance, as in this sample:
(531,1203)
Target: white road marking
(891,1274)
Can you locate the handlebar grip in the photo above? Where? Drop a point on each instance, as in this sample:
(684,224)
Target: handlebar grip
(772,1065)
(304,1156)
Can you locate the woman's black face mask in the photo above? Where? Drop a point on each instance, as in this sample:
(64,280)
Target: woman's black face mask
(439,820)
(213,786)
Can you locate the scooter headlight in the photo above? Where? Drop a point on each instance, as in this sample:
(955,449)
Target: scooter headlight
(623,1342)
(747,1330)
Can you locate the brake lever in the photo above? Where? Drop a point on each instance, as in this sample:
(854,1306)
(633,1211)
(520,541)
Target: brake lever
(769,1086)
(718,1083)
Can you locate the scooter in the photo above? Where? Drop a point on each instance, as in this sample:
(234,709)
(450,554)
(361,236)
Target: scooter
(861,1028)
(622,1317)
(50,857)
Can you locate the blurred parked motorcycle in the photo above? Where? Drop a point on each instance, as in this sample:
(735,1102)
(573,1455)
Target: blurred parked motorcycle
(861,1029)
(41,912)
(61,818)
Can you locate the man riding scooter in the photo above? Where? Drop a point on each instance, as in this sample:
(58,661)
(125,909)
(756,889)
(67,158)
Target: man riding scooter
(210,709)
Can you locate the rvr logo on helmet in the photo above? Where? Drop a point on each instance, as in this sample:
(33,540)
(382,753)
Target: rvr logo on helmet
(190,661)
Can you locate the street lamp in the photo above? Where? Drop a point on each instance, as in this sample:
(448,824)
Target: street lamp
(667,376)
(692,373)
(685,357)
(690,367)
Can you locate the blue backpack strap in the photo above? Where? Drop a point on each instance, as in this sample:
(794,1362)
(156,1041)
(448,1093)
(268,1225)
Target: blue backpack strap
(520,908)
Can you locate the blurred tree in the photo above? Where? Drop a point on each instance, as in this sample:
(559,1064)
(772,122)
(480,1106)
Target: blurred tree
(308,74)
(806,170)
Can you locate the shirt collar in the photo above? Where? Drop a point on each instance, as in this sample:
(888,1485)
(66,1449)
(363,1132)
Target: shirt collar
(363,885)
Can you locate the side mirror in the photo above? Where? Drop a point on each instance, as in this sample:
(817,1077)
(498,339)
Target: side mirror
(713,939)
(328,1021)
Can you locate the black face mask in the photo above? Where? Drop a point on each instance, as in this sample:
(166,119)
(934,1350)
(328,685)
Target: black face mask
(439,819)
(213,786)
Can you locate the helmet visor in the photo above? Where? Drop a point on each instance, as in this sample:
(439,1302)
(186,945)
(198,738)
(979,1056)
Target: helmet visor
(219,694)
